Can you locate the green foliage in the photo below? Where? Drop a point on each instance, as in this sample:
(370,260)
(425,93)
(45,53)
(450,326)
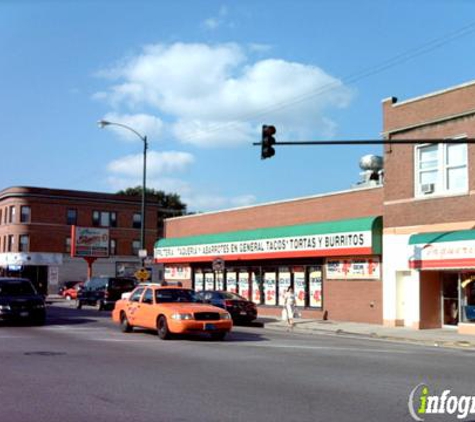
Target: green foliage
(168,201)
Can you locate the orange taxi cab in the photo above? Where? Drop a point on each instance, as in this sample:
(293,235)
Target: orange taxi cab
(170,310)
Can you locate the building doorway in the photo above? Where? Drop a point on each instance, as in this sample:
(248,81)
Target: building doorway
(450,299)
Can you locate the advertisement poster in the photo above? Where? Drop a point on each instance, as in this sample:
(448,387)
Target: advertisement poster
(209,281)
(198,282)
(219,280)
(269,289)
(256,291)
(284,283)
(299,288)
(177,272)
(244,284)
(315,282)
(231,278)
(354,269)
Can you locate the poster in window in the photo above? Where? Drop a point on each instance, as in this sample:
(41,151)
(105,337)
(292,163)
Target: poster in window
(269,289)
(231,278)
(219,276)
(256,288)
(315,284)
(244,284)
(299,287)
(209,281)
(354,269)
(284,283)
(198,281)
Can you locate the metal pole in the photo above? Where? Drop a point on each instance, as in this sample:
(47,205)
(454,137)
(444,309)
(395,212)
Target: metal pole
(144,187)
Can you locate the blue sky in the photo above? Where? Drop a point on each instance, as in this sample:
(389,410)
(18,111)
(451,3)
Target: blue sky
(199,78)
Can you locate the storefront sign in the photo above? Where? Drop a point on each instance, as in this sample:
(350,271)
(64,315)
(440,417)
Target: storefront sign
(353,269)
(442,250)
(177,272)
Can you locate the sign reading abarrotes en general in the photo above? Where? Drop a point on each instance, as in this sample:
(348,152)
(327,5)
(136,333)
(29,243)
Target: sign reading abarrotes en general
(347,237)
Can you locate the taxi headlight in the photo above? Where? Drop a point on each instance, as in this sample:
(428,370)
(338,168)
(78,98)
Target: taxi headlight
(182,316)
(5,308)
(225,316)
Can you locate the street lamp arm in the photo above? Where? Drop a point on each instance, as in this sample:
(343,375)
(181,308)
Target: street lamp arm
(104,123)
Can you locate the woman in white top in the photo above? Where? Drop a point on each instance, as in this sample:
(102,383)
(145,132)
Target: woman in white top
(289,306)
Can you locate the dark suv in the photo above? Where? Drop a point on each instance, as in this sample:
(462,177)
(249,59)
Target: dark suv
(19,301)
(103,292)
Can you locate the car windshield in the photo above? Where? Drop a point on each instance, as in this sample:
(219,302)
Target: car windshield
(232,296)
(16,288)
(176,295)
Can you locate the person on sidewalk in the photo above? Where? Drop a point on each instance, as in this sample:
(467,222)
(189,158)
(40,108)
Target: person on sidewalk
(289,307)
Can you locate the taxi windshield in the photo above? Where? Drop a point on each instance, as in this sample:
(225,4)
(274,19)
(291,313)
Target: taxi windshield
(175,295)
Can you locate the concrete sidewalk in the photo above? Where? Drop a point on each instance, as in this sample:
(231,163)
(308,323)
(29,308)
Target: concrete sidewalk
(444,337)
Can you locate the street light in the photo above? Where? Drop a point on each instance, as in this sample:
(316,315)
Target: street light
(104,123)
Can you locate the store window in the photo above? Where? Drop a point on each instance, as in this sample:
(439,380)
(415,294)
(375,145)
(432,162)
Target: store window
(25,214)
(231,280)
(441,169)
(24,244)
(284,281)
(300,286)
(198,281)
(270,286)
(243,283)
(209,280)
(72,217)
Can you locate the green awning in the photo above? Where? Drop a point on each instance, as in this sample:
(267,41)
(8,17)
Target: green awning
(438,237)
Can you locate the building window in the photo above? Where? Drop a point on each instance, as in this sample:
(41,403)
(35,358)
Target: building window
(441,169)
(11,243)
(72,217)
(113,247)
(137,221)
(25,214)
(135,247)
(11,214)
(104,219)
(24,244)
(67,245)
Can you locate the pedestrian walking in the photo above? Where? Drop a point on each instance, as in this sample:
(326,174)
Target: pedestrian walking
(289,307)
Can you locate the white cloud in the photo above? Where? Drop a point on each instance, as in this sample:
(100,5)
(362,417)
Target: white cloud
(144,124)
(158,163)
(217,21)
(202,90)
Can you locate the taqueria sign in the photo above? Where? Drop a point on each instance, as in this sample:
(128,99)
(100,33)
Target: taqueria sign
(336,238)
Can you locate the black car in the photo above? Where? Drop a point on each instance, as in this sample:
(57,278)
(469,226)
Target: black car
(241,310)
(20,302)
(103,292)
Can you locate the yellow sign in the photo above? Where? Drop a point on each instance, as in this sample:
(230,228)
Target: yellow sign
(142,274)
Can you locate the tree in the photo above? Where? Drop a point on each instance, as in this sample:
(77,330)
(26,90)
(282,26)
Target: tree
(170,202)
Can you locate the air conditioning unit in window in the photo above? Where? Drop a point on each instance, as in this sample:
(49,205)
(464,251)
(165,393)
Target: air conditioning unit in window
(427,188)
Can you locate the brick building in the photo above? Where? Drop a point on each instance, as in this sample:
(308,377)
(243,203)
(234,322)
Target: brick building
(35,232)
(429,211)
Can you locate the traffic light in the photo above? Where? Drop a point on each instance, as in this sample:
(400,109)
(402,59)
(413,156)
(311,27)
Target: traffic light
(268,141)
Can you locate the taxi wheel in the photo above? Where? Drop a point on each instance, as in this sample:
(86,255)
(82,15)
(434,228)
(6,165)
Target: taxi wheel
(162,328)
(100,305)
(124,323)
(78,304)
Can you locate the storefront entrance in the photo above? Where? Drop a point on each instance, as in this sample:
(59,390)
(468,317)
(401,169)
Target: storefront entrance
(450,299)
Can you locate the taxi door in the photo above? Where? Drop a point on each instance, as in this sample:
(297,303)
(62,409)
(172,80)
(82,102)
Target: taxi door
(146,317)
(132,308)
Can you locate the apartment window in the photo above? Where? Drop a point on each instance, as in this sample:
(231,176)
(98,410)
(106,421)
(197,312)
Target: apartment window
(72,217)
(11,214)
(68,245)
(441,169)
(11,243)
(104,219)
(25,214)
(24,244)
(113,247)
(137,221)
(135,247)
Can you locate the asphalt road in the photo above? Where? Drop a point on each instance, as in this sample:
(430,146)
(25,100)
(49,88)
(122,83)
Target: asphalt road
(80,367)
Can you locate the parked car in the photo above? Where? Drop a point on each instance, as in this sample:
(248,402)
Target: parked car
(171,310)
(103,292)
(71,292)
(241,310)
(67,285)
(19,301)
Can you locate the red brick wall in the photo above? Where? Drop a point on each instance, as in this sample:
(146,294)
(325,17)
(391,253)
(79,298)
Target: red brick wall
(346,205)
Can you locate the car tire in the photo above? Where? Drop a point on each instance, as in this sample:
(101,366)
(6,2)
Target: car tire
(125,327)
(218,336)
(78,304)
(100,305)
(162,328)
